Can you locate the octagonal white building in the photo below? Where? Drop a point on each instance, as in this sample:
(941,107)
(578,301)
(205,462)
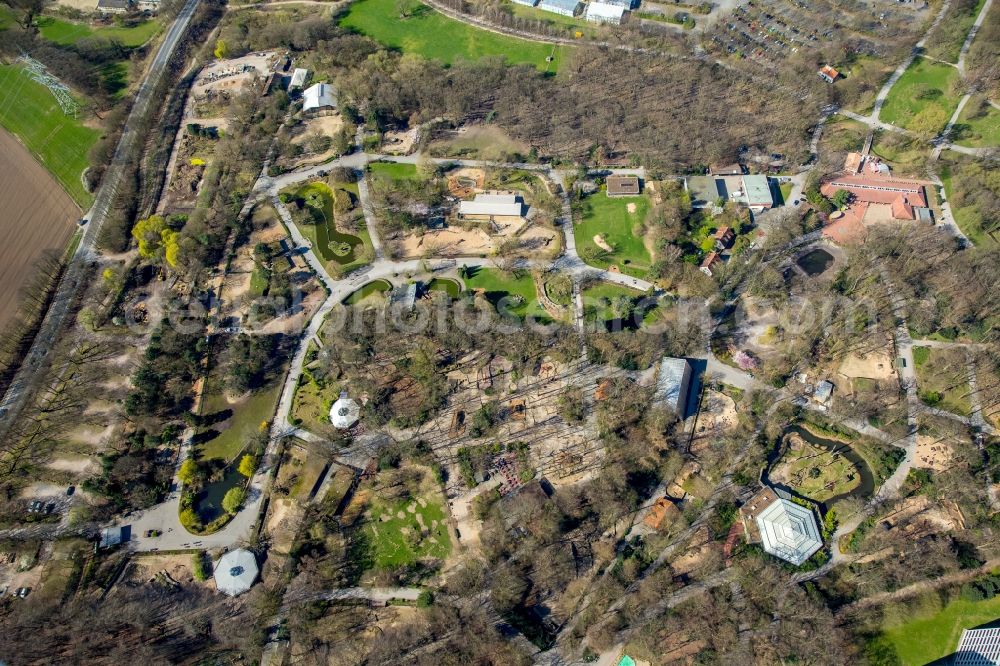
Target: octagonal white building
(345,412)
(236,571)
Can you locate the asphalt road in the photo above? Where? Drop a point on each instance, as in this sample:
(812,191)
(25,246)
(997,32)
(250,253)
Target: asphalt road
(20,389)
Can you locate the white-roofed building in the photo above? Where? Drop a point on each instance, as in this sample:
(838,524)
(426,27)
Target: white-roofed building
(299,77)
(236,572)
(318,97)
(602,12)
(978,647)
(561,7)
(489,206)
(345,412)
(672,384)
(786,530)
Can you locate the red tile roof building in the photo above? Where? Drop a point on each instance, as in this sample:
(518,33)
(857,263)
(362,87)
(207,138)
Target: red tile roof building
(902,195)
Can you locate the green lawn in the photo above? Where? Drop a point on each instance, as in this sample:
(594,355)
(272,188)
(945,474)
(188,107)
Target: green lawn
(498,285)
(923,98)
(66,32)
(394,170)
(927,638)
(598,297)
(980,132)
(370,289)
(246,419)
(58,141)
(571,24)
(404,532)
(610,218)
(433,35)
(968,219)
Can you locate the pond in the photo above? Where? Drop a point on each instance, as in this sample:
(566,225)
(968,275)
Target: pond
(374,287)
(865,487)
(448,286)
(208,503)
(331,244)
(815,262)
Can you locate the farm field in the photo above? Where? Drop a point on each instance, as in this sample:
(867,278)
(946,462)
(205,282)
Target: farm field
(612,220)
(39,216)
(979,132)
(66,32)
(922,97)
(434,35)
(498,286)
(929,637)
(60,142)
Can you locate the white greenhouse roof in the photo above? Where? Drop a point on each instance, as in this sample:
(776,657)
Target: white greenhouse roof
(318,96)
(235,572)
(345,412)
(602,11)
(789,531)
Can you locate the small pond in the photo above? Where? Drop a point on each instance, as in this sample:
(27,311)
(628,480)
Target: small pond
(208,503)
(374,287)
(815,262)
(867,481)
(448,286)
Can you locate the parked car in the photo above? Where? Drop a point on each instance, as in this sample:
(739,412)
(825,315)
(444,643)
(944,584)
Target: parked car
(22,592)
(70,491)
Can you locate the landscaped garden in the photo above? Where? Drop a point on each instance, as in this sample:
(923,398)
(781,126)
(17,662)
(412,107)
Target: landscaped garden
(431,34)
(606,302)
(605,235)
(317,209)
(60,142)
(366,293)
(817,472)
(510,292)
(924,97)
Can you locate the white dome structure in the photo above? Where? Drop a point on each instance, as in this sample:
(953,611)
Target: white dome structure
(789,531)
(345,412)
(236,571)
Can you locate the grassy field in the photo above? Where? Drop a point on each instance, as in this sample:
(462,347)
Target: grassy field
(246,419)
(571,24)
(941,378)
(407,531)
(980,132)
(928,637)
(66,32)
(30,112)
(367,291)
(433,35)
(922,96)
(906,154)
(498,285)
(611,219)
(597,299)
(945,43)
(483,142)
(393,170)
(968,219)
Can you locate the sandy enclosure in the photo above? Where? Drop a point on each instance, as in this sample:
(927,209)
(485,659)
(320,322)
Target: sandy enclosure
(38,215)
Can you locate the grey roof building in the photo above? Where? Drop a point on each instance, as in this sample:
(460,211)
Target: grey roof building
(236,572)
(672,384)
(978,647)
(562,7)
(788,530)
